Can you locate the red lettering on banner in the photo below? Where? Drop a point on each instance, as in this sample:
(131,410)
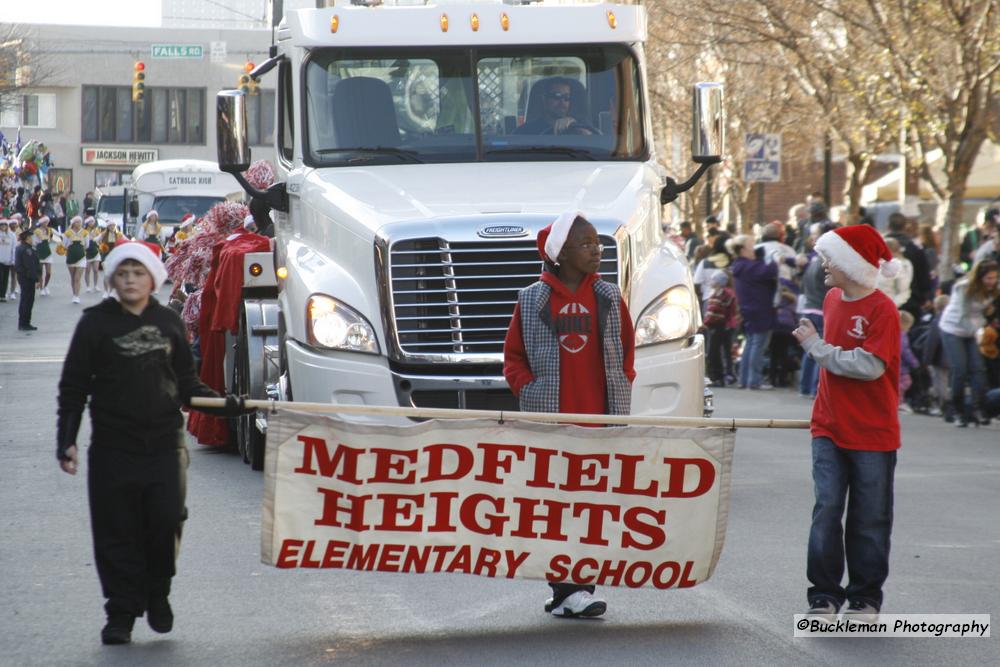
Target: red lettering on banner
(441,551)
(578,576)
(675,571)
(492,461)
(654,531)
(462,562)
(334,552)
(514,561)
(675,483)
(342,456)
(552,519)
(486,563)
(389,559)
(643,568)
(362,557)
(287,553)
(595,520)
(467,515)
(393,461)
(331,508)
(307,559)
(558,568)
(435,462)
(543,459)
(626,481)
(393,510)
(577,470)
(442,518)
(686,580)
(416,559)
(611,573)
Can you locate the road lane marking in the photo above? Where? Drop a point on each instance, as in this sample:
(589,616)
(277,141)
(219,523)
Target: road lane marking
(32,360)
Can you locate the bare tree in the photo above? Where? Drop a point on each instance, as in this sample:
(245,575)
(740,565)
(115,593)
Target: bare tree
(22,64)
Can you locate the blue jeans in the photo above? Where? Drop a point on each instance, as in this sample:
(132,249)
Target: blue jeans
(864,539)
(965,365)
(809,375)
(752,360)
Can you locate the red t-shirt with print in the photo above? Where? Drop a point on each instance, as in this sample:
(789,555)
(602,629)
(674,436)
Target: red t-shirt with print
(860,414)
(582,382)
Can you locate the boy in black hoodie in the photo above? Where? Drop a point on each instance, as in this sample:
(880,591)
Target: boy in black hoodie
(131,357)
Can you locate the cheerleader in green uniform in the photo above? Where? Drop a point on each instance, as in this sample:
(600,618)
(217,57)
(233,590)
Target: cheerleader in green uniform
(105,244)
(92,254)
(75,240)
(151,230)
(43,236)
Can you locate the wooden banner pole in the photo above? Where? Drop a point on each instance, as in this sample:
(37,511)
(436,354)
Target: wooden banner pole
(504,415)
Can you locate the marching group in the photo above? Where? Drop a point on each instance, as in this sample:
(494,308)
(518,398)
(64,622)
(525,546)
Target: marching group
(754,290)
(32,242)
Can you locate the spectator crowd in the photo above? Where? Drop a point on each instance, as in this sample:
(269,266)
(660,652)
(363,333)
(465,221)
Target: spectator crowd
(754,289)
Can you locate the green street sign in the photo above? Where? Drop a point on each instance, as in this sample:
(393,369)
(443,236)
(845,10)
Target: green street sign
(185,51)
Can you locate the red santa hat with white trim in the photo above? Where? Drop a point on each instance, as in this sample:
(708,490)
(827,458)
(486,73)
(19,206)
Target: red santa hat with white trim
(147,254)
(860,252)
(551,240)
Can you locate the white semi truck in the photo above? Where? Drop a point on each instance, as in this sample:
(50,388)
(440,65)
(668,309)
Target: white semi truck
(419,149)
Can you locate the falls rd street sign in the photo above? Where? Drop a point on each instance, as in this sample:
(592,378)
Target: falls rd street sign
(763,158)
(181,51)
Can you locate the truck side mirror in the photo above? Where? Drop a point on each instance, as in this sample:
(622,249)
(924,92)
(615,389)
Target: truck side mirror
(231,131)
(708,136)
(708,123)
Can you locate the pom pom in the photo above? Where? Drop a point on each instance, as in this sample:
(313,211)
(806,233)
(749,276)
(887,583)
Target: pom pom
(260,174)
(891,268)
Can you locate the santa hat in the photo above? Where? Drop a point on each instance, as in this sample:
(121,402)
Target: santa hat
(552,239)
(89,219)
(75,219)
(147,254)
(247,221)
(860,252)
(151,213)
(187,220)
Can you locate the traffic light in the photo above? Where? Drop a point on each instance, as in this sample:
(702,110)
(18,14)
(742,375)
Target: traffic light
(138,81)
(248,85)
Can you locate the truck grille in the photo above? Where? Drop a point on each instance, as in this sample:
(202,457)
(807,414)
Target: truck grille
(458,297)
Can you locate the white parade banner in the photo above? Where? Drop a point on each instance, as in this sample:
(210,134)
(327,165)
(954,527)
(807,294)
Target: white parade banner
(636,506)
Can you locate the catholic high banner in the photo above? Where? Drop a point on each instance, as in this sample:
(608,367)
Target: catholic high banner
(631,506)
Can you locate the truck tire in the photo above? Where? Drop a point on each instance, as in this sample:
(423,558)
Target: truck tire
(250,441)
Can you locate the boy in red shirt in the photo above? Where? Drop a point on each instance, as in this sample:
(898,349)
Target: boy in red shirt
(570,348)
(855,424)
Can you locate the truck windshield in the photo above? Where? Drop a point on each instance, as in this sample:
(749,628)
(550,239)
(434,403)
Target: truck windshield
(111,204)
(510,103)
(172,209)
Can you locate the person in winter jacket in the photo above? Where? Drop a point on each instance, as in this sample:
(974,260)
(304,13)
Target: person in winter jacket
(720,311)
(29,273)
(718,260)
(908,362)
(756,281)
(8,244)
(129,358)
(570,348)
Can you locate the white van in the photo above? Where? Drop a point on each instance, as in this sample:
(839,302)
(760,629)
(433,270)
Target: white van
(178,187)
(110,205)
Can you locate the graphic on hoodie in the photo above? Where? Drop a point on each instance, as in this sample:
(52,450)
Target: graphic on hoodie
(573,326)
(142,341)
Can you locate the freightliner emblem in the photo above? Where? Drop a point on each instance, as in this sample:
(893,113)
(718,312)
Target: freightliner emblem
(502,231)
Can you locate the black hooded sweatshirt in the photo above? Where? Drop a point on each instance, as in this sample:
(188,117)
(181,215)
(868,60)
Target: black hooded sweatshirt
(138,372)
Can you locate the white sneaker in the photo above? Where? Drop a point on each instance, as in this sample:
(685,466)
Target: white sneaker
(580,603)
(861,612)
(76,299)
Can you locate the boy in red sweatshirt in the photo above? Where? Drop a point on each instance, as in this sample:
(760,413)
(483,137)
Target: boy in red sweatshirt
(570,348)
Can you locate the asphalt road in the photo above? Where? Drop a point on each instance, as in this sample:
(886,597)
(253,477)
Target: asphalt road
(232,610)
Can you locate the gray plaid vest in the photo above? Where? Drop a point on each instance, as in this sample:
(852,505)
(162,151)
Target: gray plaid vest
(541,343)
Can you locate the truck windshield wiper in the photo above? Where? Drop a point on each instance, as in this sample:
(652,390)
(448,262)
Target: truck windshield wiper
(373,152)
(552,150)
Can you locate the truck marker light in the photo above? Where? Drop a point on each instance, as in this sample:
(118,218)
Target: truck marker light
(256,269)
(474,22)
(444,23)
(282,272)
(334,23)
(504,21)
(612,21)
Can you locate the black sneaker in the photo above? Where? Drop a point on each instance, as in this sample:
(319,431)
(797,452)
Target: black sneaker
(822,607)
(159,615)
(118,629)
(27,327)
(861,611)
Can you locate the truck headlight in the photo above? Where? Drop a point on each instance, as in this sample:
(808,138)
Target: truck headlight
(334,325)
(669,317)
